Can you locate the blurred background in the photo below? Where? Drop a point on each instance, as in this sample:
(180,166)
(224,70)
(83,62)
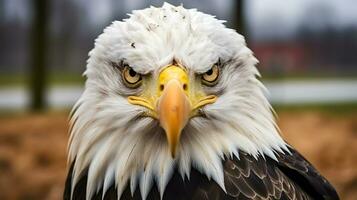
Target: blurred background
(307,52)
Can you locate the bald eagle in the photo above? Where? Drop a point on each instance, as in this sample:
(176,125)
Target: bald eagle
(173,109)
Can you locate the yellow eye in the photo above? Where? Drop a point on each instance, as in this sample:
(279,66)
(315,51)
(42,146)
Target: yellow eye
(131,77)
(210,77)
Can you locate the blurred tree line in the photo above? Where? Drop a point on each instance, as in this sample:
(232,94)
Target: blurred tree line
(56,23)
(73,25)
(330,46)
(38,72)
(43,36)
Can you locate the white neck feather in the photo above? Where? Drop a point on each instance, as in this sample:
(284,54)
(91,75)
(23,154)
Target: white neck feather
(118,147)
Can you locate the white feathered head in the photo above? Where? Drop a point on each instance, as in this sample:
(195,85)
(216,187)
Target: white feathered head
(169,88)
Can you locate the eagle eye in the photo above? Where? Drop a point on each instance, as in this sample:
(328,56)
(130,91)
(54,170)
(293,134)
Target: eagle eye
(210,77)
(131,78)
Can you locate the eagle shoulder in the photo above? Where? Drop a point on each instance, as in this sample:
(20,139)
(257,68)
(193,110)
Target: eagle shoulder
(290,177)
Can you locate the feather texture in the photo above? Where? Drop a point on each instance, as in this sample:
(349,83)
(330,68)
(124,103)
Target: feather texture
(118,148)
(290,178)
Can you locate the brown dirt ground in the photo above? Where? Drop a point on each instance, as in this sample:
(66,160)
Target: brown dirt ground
(33,151)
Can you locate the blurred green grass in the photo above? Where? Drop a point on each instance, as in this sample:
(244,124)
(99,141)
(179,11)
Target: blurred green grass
(70,78)
(311,75)
(54,78)
(339,109)
(67,79)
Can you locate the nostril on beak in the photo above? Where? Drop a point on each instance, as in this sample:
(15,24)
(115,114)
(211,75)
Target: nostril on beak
(162,87)
(184,86)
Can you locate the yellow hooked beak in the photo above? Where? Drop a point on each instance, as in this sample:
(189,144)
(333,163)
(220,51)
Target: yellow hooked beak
(174,103)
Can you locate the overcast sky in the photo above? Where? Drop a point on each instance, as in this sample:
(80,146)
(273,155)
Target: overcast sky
(264,17)
(345,11)
(284,16)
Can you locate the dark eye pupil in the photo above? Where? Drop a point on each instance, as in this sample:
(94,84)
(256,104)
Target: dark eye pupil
(209,72)
(132,72)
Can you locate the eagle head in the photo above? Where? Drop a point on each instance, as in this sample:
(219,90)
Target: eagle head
(168,89)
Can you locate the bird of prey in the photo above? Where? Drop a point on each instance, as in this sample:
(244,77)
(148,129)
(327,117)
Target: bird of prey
(173,109)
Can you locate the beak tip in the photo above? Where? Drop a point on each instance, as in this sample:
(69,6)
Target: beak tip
(174,110)
(173,150)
